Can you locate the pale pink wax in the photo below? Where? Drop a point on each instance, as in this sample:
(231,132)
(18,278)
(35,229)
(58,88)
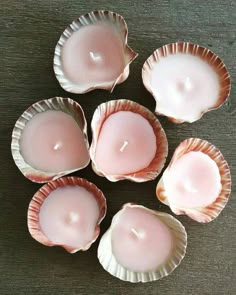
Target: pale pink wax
(52,141)
(193,181)
(140,240)
(69,215)
(184,86)
(126,144)
(93,55)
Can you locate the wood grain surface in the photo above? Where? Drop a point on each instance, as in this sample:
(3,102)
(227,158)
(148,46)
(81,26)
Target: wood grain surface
(29,31)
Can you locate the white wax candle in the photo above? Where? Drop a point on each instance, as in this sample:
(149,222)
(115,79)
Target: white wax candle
(52,141)
(184,86)
(93,55)
(69,216)
(140,240)
(192,181)
(126,144)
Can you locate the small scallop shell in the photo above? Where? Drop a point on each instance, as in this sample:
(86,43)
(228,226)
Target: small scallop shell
(66,105)
(42,194)
(102,112)
(189,48)
(111,265)
(200,214)
(116,22)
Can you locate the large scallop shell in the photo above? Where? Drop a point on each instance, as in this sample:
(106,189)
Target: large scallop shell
(200,214)
(102,112)
(189,48)
(66,105)
(42,194)
(116,22)
(111,265)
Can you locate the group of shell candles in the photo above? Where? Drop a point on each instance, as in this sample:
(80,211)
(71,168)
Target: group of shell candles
(49,141)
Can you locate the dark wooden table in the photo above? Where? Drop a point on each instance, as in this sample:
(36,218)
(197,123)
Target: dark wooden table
(29,31)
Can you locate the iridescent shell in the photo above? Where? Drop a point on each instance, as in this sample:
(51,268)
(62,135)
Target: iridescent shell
(200,214)
(111,265)
(205,55)
(102,112)
(42,194)
(66,105)
(113,20)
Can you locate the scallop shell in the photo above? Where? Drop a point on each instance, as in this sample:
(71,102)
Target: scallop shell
(102,112)
(42,194)
(200,214)
(111,265)
(66,105)
(206,55)
(114,20)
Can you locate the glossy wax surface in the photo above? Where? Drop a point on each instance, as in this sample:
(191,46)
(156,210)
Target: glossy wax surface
(193,181)
(52,141)
(184,86)
(93,55)
(126,144)
(140,240)
(69,215)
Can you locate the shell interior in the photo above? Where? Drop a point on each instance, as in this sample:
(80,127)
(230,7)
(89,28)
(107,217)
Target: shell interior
(110,264)
(42,194)
(110,18)
(66,105)
(103,111)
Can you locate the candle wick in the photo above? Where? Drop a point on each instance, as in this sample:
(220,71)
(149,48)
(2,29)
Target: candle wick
(188,84)
(73,217)
(57,146)
(124,145)
(138,234)
(94,56)
(190,188)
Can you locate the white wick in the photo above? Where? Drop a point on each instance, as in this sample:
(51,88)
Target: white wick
(94,56)
(188,84)
(138,234)
(57,146)
(190,188)
(124,145)
(73,217)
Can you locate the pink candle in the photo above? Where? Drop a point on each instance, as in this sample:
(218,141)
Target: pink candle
(197,181)
(68,216)
(84,55)
(142,244)
(193,181)
(141,241)
(186,81)
(126,144)
(67,212)
(88,55)
(52,141)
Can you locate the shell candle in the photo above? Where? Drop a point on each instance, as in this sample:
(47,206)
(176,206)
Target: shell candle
(67,213)
(197,181)
(84,56)
(50,140)
(128,142)
(186,81)
(142,244)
